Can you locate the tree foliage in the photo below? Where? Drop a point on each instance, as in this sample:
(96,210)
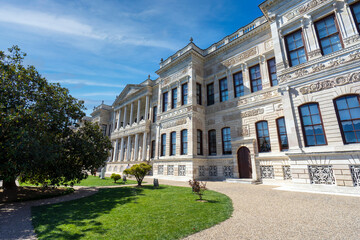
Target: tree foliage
(139,171)
(198,187)
(36,141)
(115,177)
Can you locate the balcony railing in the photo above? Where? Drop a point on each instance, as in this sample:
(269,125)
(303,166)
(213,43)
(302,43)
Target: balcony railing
(135,128)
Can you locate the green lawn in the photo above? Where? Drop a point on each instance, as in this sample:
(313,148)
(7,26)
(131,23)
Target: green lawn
(132,213)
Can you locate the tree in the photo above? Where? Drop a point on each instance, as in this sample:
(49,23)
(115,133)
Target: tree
(36,141)
(139,171)
(115,177)
(198,187)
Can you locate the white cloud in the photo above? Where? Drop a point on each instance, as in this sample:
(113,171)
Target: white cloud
(86,82)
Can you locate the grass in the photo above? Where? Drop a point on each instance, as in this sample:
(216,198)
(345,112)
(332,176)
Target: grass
(92,181)
(132,213)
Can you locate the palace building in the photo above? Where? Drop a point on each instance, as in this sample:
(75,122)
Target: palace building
(276,101)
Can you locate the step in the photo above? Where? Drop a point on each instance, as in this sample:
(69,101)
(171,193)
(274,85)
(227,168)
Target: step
(241,180)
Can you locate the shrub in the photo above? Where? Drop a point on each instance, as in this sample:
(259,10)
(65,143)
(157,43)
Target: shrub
(139,171)
(115,177)
(198,187)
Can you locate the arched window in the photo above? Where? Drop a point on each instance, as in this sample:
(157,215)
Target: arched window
(184,142)
(226,140)
(263,138)
(348,113)
(212,142)
(312,125)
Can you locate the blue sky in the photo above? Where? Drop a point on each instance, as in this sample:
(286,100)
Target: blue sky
(94,48)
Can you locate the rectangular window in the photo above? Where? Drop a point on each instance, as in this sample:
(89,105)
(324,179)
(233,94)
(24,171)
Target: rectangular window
(184,142)
(313,129)
(184,93)
(210,94)
(172,143)
(154,113)
(199,142)
(263,137)
(226,141)
(152,148)
(163,144)
(272,72)
(212,142)
(355,8)
(283,140)
(255,77)
(165,101)
(238,84)
(328,34)
(198,94)
(295,48)
(223,90)
(173,98)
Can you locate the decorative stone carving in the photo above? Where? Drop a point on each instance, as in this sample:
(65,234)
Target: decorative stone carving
(267,172)
(182,170)
(269,44)
(311,5)
(213,171)
(170,170)
(355,174)
(252,113)
(242,56)
(228,171)
(291,15)
(326,84)
(231,117)
(352,39)
(318,68)
(284,78)
(321,174)
(301,72)
(287,172)
(175,76)
(160,169)
(201,171)
(174,123)
(314,53)
(278,107)
(244,131)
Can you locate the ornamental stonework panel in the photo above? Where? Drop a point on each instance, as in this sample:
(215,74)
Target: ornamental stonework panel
(201,171)
(242,56)
(321,174)
(182,170)
(287,172)
(213,171)
(161,170)
(228,171)
(170,170)
(355,174)
(267,172)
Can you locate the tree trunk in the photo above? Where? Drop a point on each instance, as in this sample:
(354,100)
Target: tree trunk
(9,185)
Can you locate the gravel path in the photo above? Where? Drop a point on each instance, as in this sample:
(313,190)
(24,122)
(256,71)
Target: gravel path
(260,212)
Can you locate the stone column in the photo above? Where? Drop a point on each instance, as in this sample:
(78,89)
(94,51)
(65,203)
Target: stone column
(147,107)
(118,124)
(136,148)
(125,112)
(131,113)
(122,149)
(128,149)
(230,82)
(115,150)
(246,79)
(138,111)
(265,78)
(114,121)
(144,147)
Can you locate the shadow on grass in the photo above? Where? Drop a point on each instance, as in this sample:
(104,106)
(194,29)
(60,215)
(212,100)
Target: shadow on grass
(82,212)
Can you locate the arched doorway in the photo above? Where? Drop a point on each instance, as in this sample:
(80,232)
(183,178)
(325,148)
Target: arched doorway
(244,163)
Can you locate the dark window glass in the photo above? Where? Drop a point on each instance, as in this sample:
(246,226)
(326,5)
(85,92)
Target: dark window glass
(272,72)
(283,140)
(295,48)
(165,101)
(184,92)
(184,142)
(263,138)
(152,148)
(238,84)
(312,125)
(212,142)
(173,143)
(198,94)
(210,94)
(355,8)
(199,143)
(328,35)
(223,90)
(154,113)
(348,112)
(163,144)
(173,98)
(255,77)
(226,140)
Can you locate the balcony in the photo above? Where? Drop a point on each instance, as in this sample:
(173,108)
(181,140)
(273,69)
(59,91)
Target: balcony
(135,128)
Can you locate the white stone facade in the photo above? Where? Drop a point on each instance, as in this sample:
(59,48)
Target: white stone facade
(240,91)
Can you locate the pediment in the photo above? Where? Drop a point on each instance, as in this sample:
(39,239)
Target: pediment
(129,90)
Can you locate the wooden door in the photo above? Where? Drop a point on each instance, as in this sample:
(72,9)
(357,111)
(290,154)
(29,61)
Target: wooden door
(244,163)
